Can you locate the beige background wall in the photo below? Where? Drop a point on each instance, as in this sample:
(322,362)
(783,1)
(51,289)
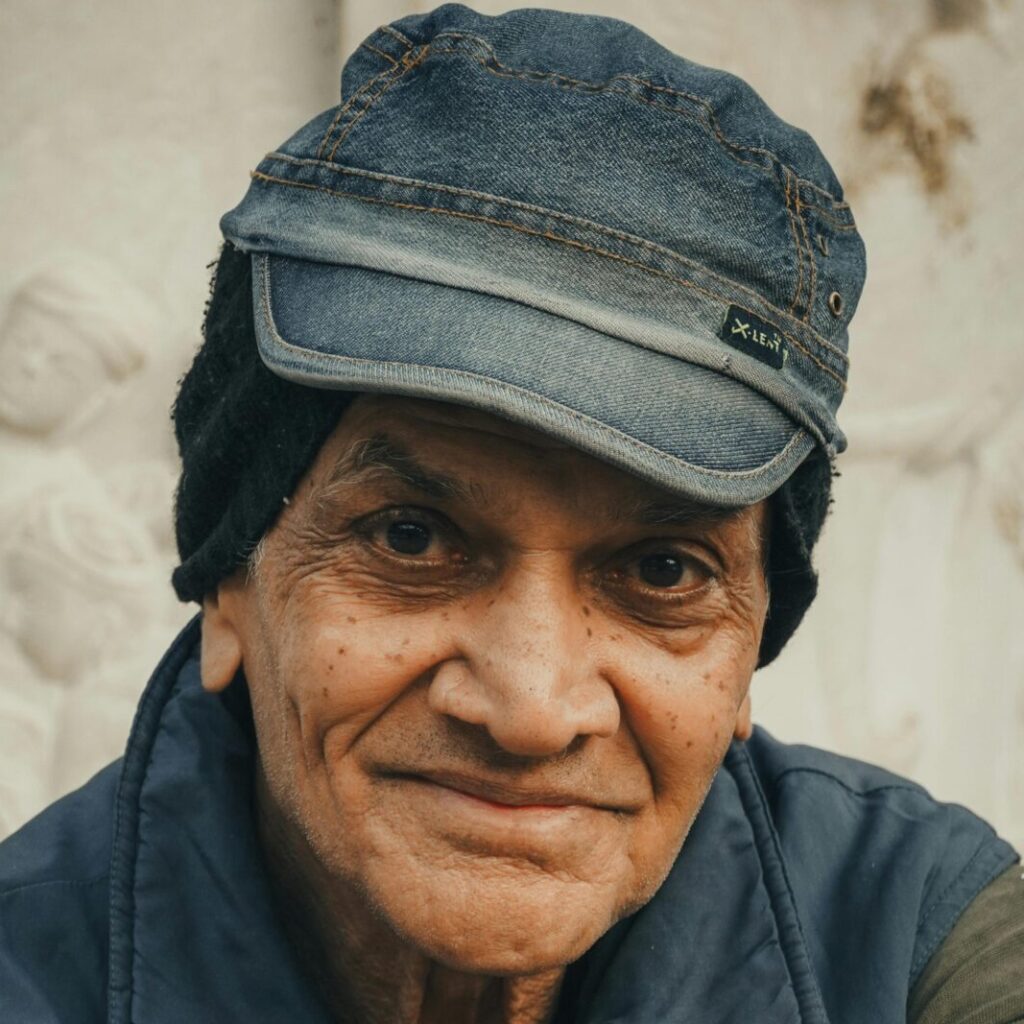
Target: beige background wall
(129,128)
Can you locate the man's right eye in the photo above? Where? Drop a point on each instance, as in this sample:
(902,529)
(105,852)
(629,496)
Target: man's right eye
(412,536)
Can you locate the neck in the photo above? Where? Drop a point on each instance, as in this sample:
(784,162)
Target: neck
(364,970)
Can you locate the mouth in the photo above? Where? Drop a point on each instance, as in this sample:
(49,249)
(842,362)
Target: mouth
(502,796)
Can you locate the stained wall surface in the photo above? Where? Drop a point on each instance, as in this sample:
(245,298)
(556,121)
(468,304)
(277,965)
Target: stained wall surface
(128,130)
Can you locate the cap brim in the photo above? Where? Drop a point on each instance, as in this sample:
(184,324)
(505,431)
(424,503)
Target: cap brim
(674,423)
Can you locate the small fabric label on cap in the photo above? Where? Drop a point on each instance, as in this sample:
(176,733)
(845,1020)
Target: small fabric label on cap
(754,336)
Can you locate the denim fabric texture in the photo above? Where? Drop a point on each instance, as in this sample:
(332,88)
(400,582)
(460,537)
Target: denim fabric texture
(552,217)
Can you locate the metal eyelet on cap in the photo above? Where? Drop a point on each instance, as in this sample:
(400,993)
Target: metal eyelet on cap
(835,304)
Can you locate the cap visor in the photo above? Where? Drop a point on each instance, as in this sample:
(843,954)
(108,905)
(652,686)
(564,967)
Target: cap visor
(679,425)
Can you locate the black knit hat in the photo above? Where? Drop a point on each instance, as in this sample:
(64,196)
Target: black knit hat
(246,436)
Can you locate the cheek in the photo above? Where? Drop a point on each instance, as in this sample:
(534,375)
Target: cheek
(343,667)
(682,711)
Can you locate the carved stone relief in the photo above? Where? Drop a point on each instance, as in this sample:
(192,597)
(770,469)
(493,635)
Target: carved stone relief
(128,130)
(86,546)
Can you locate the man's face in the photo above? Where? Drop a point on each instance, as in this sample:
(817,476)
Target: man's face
(492,677)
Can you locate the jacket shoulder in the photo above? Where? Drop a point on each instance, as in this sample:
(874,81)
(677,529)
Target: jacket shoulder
(53,908)
(857,836)
(775,760)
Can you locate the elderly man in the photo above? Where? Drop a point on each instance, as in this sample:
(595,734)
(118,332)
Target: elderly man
(503,459)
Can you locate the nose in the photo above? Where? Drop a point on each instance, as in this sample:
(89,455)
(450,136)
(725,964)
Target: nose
(527,673)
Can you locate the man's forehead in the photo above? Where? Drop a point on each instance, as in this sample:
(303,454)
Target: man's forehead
(452,452)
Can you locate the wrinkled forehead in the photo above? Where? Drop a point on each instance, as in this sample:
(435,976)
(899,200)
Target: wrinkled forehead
(454,453)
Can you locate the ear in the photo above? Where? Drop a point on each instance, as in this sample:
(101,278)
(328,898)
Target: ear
(221,652)
(744,725)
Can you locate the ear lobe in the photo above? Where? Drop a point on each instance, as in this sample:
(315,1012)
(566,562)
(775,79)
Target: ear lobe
(744,724)
(220,654)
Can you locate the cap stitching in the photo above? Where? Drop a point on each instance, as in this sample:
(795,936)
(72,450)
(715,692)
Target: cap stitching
(545,78)
(514,203)
(542,234)
(821,212)
(810,254)
(367,85)
(837,204)
(544,399)
(408,65)
(380,53)
(391,30)
(796,243)
(345,107)
(540,75)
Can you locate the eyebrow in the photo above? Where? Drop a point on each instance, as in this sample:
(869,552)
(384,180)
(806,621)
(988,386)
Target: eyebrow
(677,513)
(380,454)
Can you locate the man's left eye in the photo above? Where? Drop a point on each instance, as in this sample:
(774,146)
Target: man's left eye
(409,538)
(670,571)
(661,570)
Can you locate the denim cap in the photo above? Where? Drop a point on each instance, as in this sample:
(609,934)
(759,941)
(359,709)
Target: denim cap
(551,217)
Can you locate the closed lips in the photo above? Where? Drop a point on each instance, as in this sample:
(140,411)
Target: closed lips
(503,794)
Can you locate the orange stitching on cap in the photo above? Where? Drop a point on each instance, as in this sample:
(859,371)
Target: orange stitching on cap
(796,243)
(342,110)
(542,234)
(392,31)
(380,53)
(553,215)
(513,73)
(408,66)
(810,253)
(837,225)
(711,123)
(716,127)
(824,214)
(529,74)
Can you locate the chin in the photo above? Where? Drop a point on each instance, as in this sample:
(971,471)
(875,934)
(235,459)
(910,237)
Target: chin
(499,928)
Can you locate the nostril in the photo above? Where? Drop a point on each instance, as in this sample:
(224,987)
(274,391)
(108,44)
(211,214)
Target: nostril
(452,693)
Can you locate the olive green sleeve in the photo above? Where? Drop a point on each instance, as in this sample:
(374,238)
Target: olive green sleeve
(977,975)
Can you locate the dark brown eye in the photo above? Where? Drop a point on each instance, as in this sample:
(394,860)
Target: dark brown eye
(661,570)
(409,538)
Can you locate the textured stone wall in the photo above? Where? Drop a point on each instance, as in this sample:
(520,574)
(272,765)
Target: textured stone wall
(129,128)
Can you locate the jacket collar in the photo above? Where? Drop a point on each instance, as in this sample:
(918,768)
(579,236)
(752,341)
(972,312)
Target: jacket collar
(194,934)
